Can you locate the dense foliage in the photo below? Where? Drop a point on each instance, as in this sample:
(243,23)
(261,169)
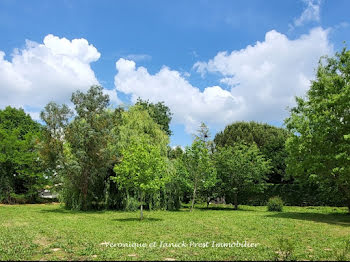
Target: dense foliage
(142,167)
(21,170)
(269,139)
(56,119)
(319,150)
(86,154)
(159,112)
(240,169)
(199,169)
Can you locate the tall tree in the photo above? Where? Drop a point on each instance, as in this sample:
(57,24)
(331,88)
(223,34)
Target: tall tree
(138,124)
(159,112)
(56,118)
(87,157)
(203,134)
(240,169)
(200,170)
(143,149)
(177,185)
(320,146)
(269,139)
(21,174)
(141,169)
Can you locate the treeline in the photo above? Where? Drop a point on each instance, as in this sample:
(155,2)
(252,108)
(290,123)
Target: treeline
(99,157)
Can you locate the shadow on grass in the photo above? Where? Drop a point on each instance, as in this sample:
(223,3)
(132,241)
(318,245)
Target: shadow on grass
(130,219)
(68,211)
(217,208)
(332,218)
(224,207)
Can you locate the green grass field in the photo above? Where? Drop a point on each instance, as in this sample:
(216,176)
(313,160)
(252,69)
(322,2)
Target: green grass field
(49,232)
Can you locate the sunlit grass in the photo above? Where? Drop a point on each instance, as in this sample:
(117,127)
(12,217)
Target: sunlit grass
(34,232)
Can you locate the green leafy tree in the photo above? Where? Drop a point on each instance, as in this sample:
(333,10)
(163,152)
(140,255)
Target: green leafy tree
(203,134)
(21,174)
(320,147)
(176,184)
(137,124)
(142,168)
(56,118)
(240,169)
(137,128)
(199,168)
(269,139)
(175,153)
(86,155)
(159,112)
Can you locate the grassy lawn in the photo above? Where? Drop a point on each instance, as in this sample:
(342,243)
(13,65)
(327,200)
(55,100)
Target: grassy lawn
(49,232)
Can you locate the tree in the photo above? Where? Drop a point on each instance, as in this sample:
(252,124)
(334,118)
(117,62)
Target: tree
(159,112)
(175,153)
(56,119)
(320,147)
(203,134)
(269,139)
(176,185)
(86,154)
(240,169)
(137,128)
(138,124)
(141,169)
(21,174)
(200,170)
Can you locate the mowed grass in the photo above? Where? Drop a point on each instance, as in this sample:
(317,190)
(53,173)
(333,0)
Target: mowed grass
(49,232)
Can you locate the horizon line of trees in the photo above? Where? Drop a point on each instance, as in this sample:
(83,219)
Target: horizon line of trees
(100,157)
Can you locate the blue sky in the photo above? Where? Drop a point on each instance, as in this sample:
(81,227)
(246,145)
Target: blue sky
(172,52)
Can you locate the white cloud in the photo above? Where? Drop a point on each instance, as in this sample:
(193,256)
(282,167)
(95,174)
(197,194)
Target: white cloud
(113,98)
(310,13)
(188,104)
(263,81)
(39,73)
(271,73)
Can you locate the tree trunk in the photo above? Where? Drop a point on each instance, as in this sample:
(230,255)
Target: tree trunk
(141,208)
(141,218)
(208,200)
(85,191)
(193,198)
(235,200)
(347,194)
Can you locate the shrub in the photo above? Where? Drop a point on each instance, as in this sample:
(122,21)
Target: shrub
(275,204)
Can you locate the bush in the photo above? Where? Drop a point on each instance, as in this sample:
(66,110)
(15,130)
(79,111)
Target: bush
(275,204)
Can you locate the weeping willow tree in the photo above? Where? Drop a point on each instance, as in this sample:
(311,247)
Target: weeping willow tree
(142,167)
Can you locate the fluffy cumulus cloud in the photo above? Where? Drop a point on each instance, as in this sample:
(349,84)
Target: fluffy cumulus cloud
(188,104)
(263,81)
(39,73)
(269,74)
